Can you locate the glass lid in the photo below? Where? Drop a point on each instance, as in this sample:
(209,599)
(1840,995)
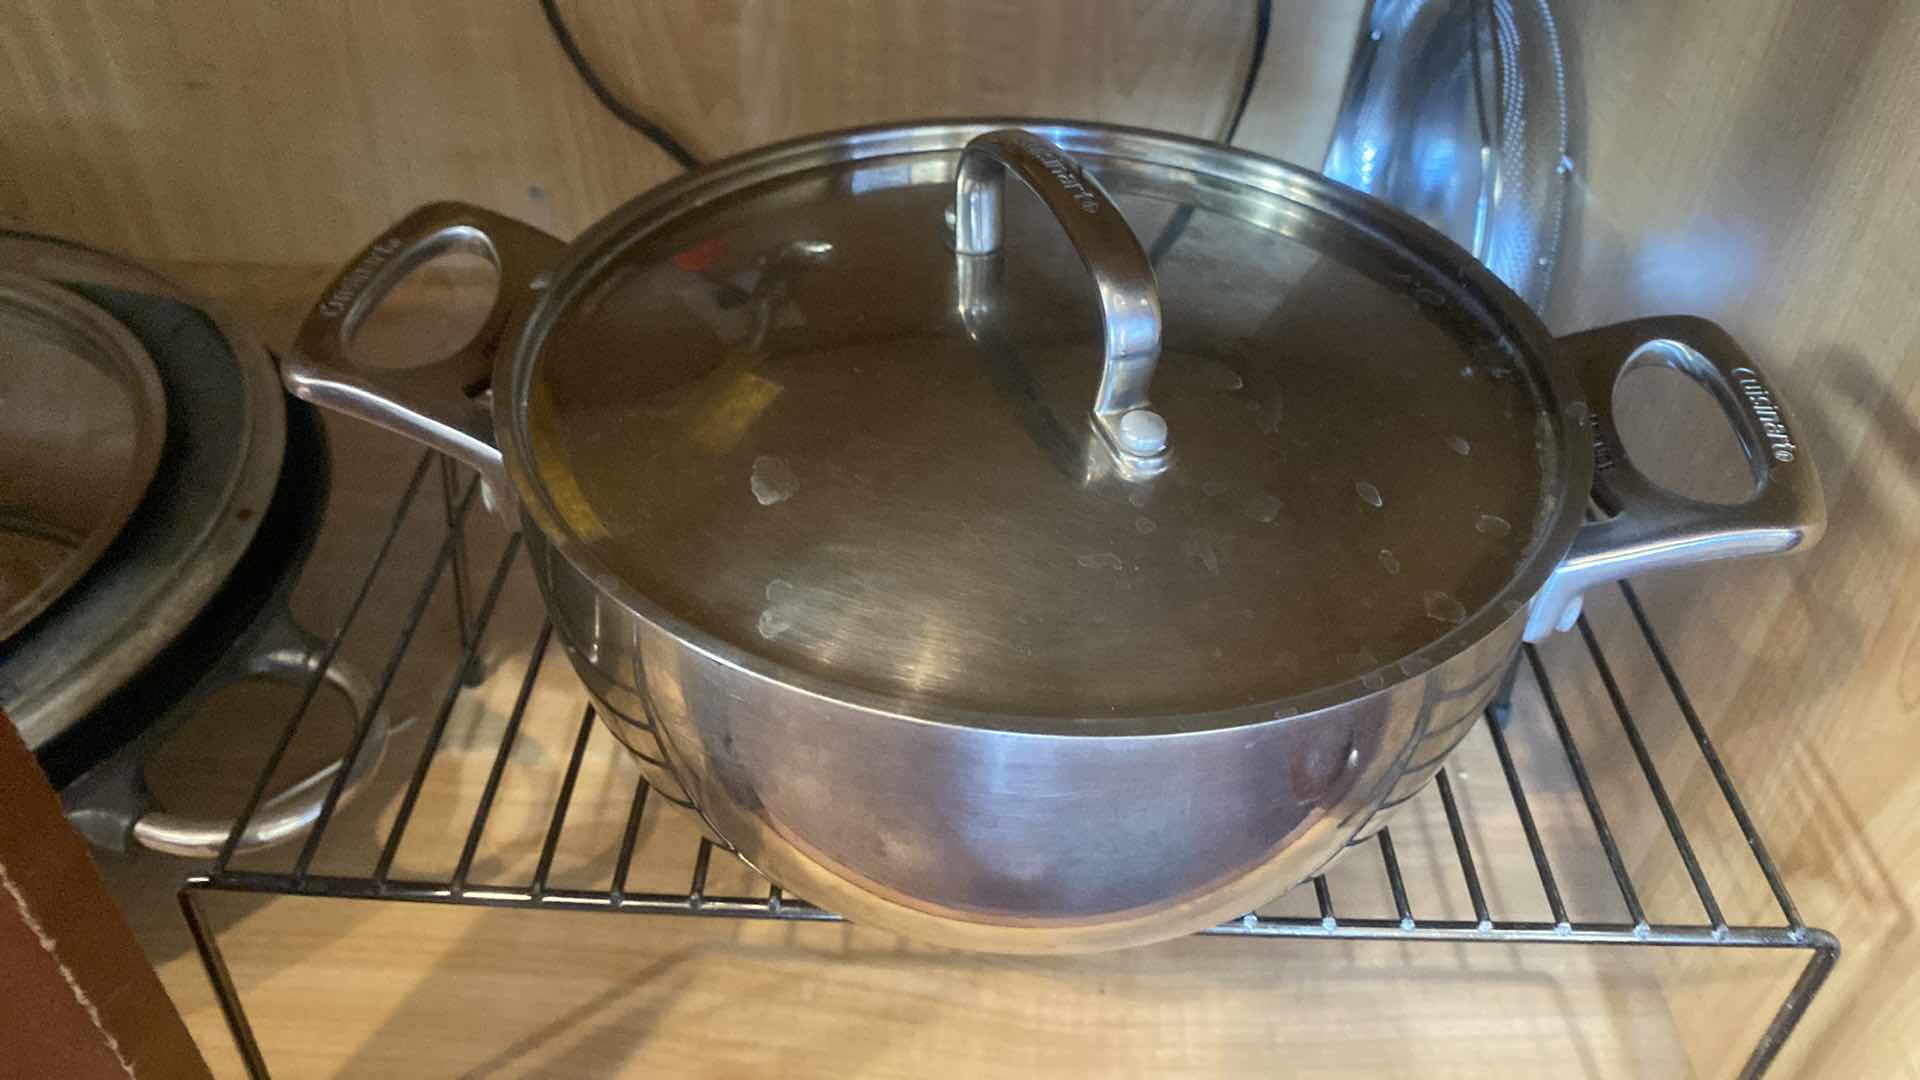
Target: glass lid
(793,415)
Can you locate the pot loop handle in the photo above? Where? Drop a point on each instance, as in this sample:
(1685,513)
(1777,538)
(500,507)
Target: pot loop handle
(1122,274)
(445,403)
(1652,527)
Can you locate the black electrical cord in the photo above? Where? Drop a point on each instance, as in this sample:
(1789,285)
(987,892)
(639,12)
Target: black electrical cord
(655,134)
(1262,26)
(659,136)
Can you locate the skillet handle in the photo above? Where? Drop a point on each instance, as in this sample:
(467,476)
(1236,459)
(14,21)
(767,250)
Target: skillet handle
(443,403)
(1652,527)
(289,653)
(113,808)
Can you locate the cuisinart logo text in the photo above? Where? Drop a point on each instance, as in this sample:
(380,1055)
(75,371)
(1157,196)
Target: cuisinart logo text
(1772,424)
(341,297)
(1068,177)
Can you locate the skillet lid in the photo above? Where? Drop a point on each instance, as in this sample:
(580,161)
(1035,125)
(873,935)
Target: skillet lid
(82,421)
(775,402)
(218,467)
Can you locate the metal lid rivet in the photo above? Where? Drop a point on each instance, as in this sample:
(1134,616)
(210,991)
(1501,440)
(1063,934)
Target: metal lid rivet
(1142,431)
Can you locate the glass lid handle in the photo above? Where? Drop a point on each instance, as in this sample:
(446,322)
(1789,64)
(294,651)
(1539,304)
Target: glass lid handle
(1129,297)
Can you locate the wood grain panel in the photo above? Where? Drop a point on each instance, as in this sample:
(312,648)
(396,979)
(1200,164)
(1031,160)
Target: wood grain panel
(291,133)
(1756,163)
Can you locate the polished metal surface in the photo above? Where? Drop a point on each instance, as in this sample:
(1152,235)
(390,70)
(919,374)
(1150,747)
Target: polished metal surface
(1128,763)
(434,402)
(1456,112)
(993,840)
(225,438)
(114,809)
(950,537)
(1122,277)
(82,420)
(1650,528)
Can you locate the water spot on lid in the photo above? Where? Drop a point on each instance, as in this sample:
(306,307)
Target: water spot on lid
(773,480)
(1467,372)
(1388,563)
(1369,494)
(1219,376)
(1144,525)
(1373,680)
(1492,525)
(1459,445)
(1137,498)
(1198,546)
(1100,560)
(1444,608)
(1414,665)
(1269,418)
(1213,487)
(777,618)
(1578,412)
(1263,508)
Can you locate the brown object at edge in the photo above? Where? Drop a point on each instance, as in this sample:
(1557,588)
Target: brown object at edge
(82,1001)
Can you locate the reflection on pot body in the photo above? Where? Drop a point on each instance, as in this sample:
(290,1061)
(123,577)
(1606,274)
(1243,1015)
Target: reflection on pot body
(934,829)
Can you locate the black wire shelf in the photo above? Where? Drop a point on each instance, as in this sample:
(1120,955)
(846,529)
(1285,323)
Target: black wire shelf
(1550,765)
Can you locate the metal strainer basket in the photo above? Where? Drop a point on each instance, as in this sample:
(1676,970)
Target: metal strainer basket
(1456,112)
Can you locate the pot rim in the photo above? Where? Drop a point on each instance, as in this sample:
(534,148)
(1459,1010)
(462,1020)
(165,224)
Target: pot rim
(1454,269)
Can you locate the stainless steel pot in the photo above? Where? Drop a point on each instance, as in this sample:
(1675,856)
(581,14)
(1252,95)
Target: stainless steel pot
(865,535)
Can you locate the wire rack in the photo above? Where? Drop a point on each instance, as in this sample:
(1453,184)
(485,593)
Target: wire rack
(1533,758)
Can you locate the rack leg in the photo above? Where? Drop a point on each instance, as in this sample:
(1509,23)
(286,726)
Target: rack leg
(1826,952)
(222,980)
(449,480)
(1501,707)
